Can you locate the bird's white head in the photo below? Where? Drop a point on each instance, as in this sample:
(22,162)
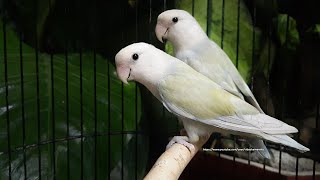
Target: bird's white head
(180,28)
(141,62)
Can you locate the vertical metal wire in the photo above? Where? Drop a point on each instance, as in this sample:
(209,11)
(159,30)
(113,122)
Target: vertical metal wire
(95,91)
(95,6)
(268,81)
(253,51)
(136,98)
(136,132)
(67,109)
(318,115)
(222,24)
(95,95)
(297,168)
(209,16)
(269,59)
(150,20)
(67,97)
(253,41)
(38,88)
(23,119)
(122,131)
(122,114)
(248,157)
(222,33)
(52,109)
(268,86)
(192,7)
(53,114)
(109,122)
(280,159)
(314,161)
(280,146)
(314,170)
(283,103)
(238,34)
(234,152)
(5,59)
(282,111)
(81,114)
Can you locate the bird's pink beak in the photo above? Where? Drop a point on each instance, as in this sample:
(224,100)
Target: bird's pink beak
(161,32)
(123,73)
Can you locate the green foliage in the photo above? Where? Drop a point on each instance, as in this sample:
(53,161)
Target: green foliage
(55,110)
(287,32)
(266,58)
(315,29)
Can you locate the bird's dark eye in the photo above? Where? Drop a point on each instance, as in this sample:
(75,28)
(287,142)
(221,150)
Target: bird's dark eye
(135,56)
(175,19)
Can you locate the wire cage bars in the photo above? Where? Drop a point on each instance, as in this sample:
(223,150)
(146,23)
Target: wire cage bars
(65,115)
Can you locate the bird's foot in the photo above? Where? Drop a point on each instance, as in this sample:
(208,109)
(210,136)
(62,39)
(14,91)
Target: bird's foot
(183,140)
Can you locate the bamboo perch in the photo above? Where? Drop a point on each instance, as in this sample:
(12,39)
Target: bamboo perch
(172,162)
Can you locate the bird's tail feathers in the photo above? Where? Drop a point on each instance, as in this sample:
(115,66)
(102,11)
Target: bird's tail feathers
(260,146)
(287,141)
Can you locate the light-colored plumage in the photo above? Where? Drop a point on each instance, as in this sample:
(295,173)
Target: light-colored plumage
(196,97)
(192,46)
(202,105)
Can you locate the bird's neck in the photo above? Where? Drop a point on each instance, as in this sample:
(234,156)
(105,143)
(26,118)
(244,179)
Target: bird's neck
(188,39)
(155,70)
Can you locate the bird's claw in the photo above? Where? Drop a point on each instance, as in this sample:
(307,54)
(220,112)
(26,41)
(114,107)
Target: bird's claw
(183,140)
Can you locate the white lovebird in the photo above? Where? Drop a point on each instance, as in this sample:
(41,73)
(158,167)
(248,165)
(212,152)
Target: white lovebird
(192,45)
(202,105)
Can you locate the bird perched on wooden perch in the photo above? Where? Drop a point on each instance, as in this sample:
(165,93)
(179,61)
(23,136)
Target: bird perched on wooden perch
(203,105)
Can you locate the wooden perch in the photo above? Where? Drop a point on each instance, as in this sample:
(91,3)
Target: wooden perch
(172,162)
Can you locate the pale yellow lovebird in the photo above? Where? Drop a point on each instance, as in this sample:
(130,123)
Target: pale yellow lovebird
(203,105)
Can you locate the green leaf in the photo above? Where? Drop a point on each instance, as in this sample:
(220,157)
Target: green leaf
(54,109)
(287,32)
(266,58)
(315,29)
